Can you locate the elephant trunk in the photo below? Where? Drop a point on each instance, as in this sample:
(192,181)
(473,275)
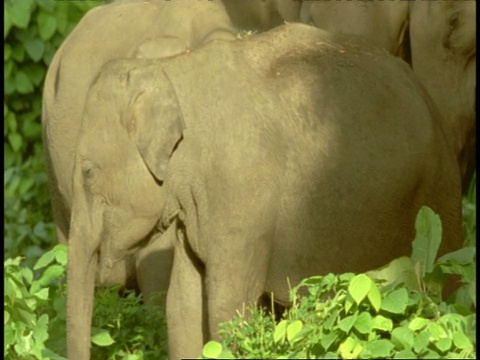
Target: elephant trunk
(83,258)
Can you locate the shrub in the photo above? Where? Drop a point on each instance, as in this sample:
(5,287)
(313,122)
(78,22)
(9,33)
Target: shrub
(393,312)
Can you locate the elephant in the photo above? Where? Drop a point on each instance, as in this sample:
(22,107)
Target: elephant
(259,160)
(262,15)
(438,39)
(133,28)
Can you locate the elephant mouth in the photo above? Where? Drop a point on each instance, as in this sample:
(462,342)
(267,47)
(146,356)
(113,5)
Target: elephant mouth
(117,266)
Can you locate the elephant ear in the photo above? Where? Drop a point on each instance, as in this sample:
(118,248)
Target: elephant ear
(156,125)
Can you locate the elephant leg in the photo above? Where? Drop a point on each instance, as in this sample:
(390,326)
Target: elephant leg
(185,304)
(154,265)
(236,273)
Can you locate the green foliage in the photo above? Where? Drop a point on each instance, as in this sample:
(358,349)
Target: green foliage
(33,30)
(27,300)
(393,312)
(35,321)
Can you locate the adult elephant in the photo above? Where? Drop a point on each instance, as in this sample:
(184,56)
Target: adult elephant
(122,29)
(293,166)
(438,39)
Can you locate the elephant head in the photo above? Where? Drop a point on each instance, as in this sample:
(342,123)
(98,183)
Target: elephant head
(443,47)
(117,187)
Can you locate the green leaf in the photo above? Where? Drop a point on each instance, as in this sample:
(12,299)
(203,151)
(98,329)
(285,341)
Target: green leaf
(18,52)
(47,24)
(400,270)
(293,329)
(382,323)
(346,323)
(7,24)
(461,341)
(42,294)
(443,344)
(23,83)
(19,12)
(15,141)
(405,354)
(421,341)
(379,348)
(101,337)
(375,297)
(7,52)
(350,349)
(212,350)
(11,121)
(61,253)
(45,260)
(403,337)
(418,323)
(280,332)
(53,272)
(35,72)
(463,256)
(396,302)
(327,340)
(34,48)
(428,236)
(359,287)
(363,323)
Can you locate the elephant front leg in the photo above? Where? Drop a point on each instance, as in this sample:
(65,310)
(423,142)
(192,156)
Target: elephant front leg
(186,316)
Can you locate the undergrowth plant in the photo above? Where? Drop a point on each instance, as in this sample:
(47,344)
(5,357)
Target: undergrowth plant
(393,312)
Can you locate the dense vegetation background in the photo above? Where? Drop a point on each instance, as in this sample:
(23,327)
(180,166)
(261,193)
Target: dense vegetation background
(34,297)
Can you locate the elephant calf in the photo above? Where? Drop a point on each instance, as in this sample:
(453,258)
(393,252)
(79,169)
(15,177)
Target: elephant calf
(294,153)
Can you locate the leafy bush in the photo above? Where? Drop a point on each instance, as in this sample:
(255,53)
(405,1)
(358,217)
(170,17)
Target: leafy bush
(394,312)
(33,30)
(35,321)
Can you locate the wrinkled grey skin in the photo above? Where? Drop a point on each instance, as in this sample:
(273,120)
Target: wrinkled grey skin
(258,167)
(441,50)
(140,29)
(261,15)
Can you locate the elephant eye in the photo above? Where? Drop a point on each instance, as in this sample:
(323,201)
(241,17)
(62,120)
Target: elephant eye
(89,173)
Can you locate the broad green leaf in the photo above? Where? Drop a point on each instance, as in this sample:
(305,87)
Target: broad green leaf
(15,141)
(212,350)
(428,236)
(396,302)
(382,323)
(47,24)
(61,253)
(7,24)
(375,297)
(418,323)
(280,332)
(405,354)
(346,323)
(400,270)
(443,344)
(403,337)
(11,121)
(19,12)
(42,294)
(327,340)
(350,349)
(45,260)
(101,337)
(359,287)
(379,348)
(436,331)
(421,341)
(293,329)
(35,72)
(34,48)
(23,83)
(7,52)
(363,323)
(462,256)
(461,341)
(53,272)
(18,52)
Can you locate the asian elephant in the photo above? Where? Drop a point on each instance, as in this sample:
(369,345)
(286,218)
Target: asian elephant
(438,39)
(259,160)
(133,28)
